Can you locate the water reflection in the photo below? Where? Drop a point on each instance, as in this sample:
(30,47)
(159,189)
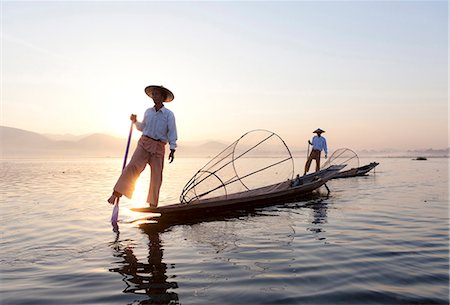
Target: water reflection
(147,278)
(319,216)
(318,205)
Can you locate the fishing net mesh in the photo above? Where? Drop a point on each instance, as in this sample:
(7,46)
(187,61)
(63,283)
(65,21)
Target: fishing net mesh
(342,156)
(258,158)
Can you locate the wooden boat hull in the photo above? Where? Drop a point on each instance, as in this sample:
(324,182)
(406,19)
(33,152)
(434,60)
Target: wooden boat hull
(264,196)
(355,172)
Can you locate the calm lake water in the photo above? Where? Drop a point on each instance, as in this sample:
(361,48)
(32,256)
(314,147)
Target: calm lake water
(380,239)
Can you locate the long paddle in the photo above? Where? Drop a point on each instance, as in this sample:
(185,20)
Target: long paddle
(115,213)
(307,154)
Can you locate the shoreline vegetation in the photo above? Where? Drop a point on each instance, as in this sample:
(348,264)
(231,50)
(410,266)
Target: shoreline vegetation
(18,143)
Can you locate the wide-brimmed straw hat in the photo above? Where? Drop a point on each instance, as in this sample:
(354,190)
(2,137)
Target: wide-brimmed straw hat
(318,130)
(169,94)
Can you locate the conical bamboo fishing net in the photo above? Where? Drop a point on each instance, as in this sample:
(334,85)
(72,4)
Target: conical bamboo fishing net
(258,158)
(342,156)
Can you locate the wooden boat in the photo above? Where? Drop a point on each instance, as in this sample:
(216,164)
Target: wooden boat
(287,191)
(232,180)
(355,172)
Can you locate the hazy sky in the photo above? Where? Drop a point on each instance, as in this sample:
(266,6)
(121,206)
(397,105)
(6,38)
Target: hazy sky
(372,74)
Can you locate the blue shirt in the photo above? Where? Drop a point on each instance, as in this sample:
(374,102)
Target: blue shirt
(159,125)
(319,143)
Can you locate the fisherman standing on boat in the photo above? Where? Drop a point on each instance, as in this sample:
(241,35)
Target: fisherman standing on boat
(318,143)
(158,128)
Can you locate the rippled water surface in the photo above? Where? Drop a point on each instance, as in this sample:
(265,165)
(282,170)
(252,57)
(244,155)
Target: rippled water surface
(380,239)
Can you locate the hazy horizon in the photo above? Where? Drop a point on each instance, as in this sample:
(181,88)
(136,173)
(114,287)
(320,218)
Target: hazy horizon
(186,147)
(374,75)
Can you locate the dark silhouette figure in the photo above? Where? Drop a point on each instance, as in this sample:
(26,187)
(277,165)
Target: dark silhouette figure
(146,278)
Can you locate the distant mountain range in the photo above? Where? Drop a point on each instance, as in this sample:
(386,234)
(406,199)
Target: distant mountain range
(16,142)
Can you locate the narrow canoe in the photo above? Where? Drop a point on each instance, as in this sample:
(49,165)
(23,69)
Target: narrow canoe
(268,195)
(355,172)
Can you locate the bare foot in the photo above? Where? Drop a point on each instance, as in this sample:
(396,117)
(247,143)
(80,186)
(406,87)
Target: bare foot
(112,199)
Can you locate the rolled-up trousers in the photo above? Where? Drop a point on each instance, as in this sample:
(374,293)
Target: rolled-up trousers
(315,155)
(150,152)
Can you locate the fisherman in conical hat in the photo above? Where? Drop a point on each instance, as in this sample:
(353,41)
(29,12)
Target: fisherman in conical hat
(158,128)
(318,143)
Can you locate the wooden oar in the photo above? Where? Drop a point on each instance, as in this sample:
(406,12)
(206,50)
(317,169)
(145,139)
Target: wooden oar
(115,213)
(307,154)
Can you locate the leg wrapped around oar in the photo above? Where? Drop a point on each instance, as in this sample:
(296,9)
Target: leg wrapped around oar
(126,183)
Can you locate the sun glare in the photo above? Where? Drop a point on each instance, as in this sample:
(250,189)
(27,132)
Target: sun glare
(141,189)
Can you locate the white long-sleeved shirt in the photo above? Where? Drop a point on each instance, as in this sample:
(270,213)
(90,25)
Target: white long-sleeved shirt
(319,143)
(159,125)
